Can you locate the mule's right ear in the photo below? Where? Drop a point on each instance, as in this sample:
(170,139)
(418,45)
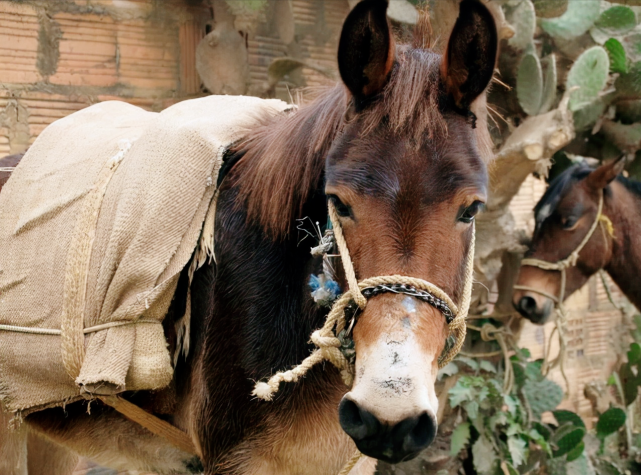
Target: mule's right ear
(366,49)
(468,63)
(606,173)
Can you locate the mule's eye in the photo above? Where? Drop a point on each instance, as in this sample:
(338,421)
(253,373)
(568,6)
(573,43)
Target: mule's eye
(569,222)
(467,216)
(342,209)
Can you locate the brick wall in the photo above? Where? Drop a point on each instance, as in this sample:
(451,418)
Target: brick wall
(60,56)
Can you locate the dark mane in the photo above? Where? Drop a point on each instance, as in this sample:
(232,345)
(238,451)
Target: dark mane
(632,186)
(557,189)
(284,159)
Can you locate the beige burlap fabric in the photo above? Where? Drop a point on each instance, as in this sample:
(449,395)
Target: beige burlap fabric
(96,223)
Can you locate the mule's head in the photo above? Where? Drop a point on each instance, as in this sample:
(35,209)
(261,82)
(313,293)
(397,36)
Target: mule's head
(564,216)
(406,178)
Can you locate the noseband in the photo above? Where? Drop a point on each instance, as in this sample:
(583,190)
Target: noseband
(327,338)
(561,266)
(569,261)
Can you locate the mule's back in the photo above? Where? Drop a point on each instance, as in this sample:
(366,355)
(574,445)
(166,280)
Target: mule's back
(97,222)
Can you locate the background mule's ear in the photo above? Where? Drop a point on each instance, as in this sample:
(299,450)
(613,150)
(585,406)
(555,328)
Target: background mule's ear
(602,176)
(468,63)
(366,49)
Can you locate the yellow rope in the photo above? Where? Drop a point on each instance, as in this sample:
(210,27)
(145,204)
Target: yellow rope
(351,463)
(561,266)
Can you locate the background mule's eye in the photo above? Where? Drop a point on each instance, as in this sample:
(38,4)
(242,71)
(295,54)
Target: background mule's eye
(342,209)
(467,216)
(569,222)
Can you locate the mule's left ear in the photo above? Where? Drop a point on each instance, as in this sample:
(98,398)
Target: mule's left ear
(602,176)
(366,49)
(468,63)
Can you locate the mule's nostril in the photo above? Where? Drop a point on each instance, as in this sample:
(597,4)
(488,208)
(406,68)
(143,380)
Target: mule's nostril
(358,423)
(527,306)
(392,443)
(415,433)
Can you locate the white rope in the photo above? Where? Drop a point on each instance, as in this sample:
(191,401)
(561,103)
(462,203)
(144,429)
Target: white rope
(7,169)
(52,331)
(561,266)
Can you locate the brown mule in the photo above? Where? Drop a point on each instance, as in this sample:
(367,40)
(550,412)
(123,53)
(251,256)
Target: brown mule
(399,152)
(564,216)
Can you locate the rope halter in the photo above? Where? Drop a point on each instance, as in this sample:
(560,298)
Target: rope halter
(570,261)
(327,338)
(562,266)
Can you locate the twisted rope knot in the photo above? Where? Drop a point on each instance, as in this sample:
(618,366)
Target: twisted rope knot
(488,330)
(325,341)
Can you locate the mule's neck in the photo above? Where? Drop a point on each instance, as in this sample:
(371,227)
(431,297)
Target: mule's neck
(623,207)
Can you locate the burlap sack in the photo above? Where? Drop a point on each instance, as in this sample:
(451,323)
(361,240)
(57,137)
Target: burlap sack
(96,223)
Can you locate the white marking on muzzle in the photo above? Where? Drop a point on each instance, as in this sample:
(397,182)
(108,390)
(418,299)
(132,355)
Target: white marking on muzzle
(394,377)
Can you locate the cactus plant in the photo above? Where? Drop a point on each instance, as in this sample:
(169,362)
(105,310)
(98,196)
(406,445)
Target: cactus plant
(521,15)
(577,19)
(542,395)
(589,74)
(609,422)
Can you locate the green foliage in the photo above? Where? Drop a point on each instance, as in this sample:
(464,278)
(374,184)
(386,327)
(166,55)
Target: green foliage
(616,21)
(589,75)
(630,374)
(529,84)
(460,438)
(577,19)
(567,438)
(610,422)
(542,396)
(563,417)
(536,96)
(506,427)
(521,15)
(616,53)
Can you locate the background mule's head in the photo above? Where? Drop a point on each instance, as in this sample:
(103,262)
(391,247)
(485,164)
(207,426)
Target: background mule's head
(406,178)
(564,216)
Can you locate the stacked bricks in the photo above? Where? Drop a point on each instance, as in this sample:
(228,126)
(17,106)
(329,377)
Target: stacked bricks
(61,56)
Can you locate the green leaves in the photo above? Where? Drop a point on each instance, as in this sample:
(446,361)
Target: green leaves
(535,96)
(567,438)
(589,74)
(460,438)
(616,53)
(616,21)
(484,455)
(542,396)
(517,448)
(523,18)
(610,422)
(563,417)
(577,19)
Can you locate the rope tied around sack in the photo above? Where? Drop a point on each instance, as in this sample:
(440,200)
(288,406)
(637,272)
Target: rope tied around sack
(561,266)
(326,338)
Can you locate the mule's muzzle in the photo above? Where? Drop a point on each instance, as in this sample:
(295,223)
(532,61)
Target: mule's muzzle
(392,443)
(531,309)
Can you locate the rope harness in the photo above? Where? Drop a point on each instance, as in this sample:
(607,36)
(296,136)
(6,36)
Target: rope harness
(330,338)
(562,266)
